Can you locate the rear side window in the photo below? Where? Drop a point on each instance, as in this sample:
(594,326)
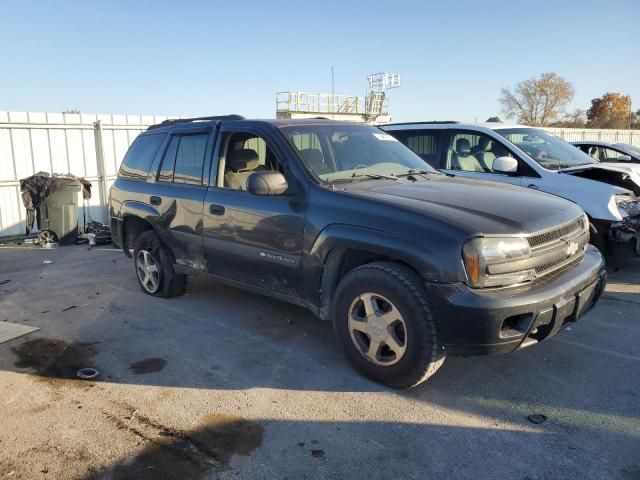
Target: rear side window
(169,161)
(184,159)
(424,144)
(190,159)
(137,161)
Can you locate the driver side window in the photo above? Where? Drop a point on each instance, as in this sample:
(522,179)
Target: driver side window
(241,154)
(473,152)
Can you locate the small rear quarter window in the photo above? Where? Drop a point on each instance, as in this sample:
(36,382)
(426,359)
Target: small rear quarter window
(137,161)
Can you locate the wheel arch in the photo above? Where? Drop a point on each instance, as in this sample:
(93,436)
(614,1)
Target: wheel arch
(136,217)
(340,248)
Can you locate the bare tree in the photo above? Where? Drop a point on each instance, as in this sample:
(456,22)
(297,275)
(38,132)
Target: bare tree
(575,119)
(537,101)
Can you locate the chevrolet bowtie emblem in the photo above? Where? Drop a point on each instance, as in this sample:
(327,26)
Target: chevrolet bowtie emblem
(572,248)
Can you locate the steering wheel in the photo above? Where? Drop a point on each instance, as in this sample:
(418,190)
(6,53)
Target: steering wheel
(360,166)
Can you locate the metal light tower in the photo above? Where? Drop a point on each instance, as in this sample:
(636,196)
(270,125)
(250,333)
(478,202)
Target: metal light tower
(377,83)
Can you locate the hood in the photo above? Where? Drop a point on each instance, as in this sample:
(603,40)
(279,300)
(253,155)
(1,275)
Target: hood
(617,174)
(474,206)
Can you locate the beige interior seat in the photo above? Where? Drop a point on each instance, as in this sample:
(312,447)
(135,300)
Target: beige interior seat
(462,158)
(240,164)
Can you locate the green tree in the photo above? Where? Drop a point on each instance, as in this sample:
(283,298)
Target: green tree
(537,101)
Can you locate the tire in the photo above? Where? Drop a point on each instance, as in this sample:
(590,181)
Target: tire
(397,298)
(162,281)
(598,239)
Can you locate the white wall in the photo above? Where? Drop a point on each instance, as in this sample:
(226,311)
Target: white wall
(66,143)
(613,136)
(31,142)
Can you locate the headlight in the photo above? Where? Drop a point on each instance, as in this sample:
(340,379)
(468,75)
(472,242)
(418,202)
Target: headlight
(481,253)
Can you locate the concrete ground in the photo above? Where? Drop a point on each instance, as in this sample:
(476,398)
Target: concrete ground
(224,384)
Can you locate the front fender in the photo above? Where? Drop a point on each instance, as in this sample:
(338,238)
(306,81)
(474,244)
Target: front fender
(325,257)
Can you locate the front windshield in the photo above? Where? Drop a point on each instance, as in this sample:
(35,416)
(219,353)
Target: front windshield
(338,152)
(549,151)
(630,149)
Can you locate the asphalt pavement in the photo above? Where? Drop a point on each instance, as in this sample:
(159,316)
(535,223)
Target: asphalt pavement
(221,383)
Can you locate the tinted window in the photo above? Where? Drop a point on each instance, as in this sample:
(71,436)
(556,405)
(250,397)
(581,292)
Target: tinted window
(190,159)
(137,161)
(424,144)
(169,161)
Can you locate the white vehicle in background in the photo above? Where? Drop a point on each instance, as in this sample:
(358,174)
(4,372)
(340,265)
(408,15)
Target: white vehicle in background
(532,158)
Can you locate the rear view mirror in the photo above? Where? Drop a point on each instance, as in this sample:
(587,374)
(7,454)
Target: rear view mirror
(505,165)
(267,183)
(624,158)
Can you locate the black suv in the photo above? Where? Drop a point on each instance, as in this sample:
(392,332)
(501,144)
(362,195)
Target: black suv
(409,263)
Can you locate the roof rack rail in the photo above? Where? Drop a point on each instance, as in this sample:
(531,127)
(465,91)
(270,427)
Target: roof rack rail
(175,121)
(432,122)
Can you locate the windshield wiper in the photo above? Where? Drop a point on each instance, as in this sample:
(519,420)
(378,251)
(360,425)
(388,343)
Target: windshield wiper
(373,175)
(417,171)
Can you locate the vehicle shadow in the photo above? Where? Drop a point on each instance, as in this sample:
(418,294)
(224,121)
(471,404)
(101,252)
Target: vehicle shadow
(236,448)
(92,314)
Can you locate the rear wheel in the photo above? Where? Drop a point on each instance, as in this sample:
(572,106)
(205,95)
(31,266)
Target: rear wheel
(384,324)
(154,267)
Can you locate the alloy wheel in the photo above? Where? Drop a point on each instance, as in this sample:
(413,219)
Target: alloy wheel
(148,271)
(377,329)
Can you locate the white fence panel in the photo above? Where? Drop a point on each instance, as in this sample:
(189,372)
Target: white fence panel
(31,142)
(631,137)
(66,143)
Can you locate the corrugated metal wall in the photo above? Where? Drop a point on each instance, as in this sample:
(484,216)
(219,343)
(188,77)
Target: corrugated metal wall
(631,137)
(31,142)
(92,146)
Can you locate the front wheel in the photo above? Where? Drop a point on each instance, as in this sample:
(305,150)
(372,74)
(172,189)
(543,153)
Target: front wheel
(598,238)
(384,324)
(154,268)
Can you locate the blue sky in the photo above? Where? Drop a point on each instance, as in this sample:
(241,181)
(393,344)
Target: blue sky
(213,57)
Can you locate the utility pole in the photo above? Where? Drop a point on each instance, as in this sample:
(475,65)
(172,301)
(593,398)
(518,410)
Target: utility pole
(332,93)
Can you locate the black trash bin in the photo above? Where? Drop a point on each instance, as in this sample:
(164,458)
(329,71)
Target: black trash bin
(59,213)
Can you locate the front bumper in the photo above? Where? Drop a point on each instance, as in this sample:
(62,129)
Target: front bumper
(480,322)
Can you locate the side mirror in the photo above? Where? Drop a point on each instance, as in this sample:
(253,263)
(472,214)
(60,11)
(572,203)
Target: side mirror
(505,165)
(266,183)
(624,158)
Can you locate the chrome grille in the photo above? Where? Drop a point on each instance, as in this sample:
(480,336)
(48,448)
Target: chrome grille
(552,266)
(553,235)
(550,248)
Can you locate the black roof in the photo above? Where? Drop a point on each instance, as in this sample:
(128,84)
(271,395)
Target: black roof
(175,121)
(277,122)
